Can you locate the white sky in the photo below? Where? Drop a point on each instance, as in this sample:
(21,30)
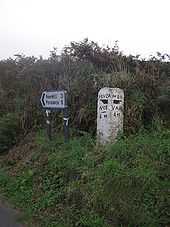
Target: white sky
(34,27)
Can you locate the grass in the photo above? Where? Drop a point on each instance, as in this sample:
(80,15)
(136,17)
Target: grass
(83,184)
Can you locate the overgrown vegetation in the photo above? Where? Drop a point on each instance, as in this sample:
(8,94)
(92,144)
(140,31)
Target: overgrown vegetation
(82,69)
(9,130)
(83,184)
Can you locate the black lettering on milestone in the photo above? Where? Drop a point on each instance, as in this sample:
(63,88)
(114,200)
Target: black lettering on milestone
(116,101)
(104,101)
(103,107)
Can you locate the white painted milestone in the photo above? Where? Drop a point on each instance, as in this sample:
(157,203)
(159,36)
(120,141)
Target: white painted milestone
(109,114)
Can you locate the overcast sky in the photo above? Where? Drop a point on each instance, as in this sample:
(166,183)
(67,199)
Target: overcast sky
(34,27)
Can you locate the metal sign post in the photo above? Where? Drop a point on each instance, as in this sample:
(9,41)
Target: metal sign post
(66,120)
(56,99)
(48,123)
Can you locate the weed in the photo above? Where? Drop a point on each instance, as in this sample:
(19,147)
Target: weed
(82,184)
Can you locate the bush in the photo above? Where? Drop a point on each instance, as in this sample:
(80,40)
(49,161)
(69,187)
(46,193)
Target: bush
(9,130)
(83,69)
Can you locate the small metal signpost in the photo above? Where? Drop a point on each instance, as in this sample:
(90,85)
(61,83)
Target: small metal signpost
(48,123)
(56,99)
(66,119)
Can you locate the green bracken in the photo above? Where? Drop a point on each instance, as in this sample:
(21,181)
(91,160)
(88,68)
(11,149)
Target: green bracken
(83,184)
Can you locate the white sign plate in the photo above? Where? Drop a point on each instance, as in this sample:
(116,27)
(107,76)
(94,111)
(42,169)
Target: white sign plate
(54,99)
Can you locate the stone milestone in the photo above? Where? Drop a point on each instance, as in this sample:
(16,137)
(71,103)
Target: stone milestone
(109,114)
